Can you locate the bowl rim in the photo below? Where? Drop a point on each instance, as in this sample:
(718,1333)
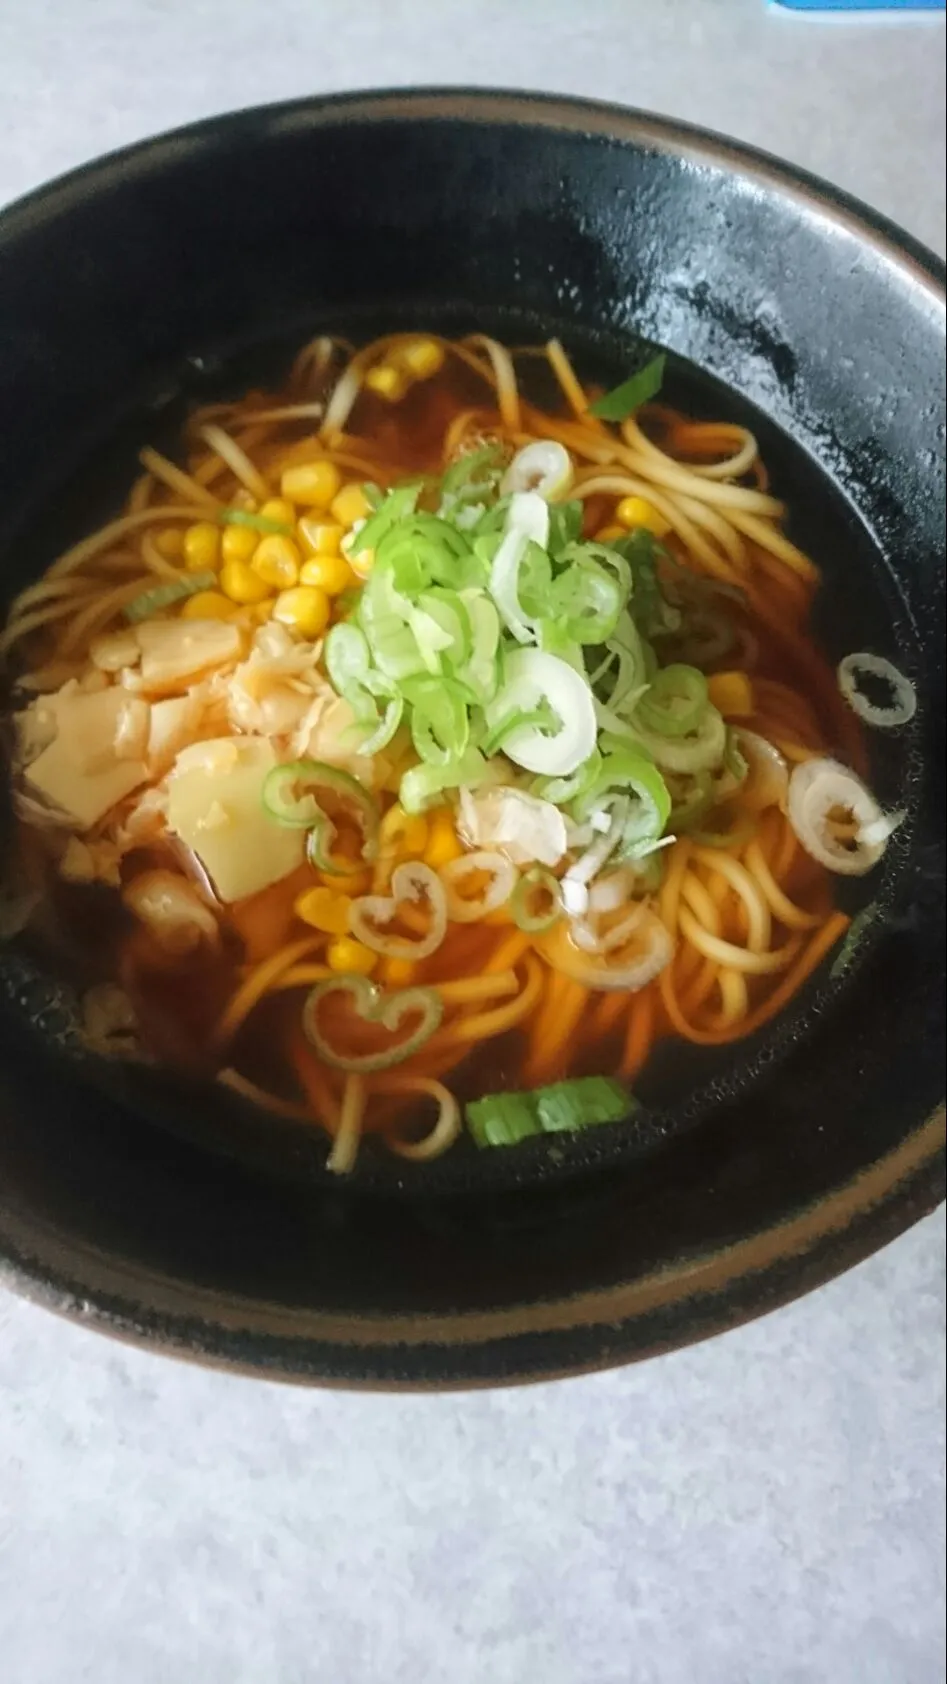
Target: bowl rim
(601,119)
(718,1289)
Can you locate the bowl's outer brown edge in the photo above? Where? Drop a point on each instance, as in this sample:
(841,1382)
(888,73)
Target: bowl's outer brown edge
(770,1268)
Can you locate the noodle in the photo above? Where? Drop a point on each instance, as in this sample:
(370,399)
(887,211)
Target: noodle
(185,485)
(746,911)
(239,463)
(345,1143)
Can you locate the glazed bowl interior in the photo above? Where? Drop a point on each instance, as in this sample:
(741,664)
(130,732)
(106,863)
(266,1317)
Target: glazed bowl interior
(192,266)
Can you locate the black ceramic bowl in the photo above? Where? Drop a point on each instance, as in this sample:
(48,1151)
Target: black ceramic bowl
(194,262)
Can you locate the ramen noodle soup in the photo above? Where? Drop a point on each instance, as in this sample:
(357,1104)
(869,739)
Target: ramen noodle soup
(399,726)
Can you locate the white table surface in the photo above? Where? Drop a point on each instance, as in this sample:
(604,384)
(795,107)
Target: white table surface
(763,1509)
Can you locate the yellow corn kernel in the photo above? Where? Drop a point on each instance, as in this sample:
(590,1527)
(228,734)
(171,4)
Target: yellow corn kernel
(169,542)
(207,605)
(608,534)
(362,563)
(387,381)
(422,358)
(403,833)
(443,843)
(254,615)
(319,537)
(331,573)
(279,508)
(304,609)
(324,909)
(398,973)
(731,693)
(350,505)
(241,584)
(351,883)
(276,560)
(635,511)
(347,954)
(238,543)
(201,546)
(311,483)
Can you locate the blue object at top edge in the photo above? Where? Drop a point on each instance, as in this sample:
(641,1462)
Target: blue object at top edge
(863,5)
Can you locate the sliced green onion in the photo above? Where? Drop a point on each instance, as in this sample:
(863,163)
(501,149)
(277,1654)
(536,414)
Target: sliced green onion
(486,862)
(383,618)
(387,1010)
(400,502)
(256,523)
(449,611)
(674,702)
(480,672)
(735,762)
(585,1101)
(903,704)
(347,657)
(651,949)
(587,600)
(531,676)
(527,522)
(610,816)
(291,798)
(388,724)
(639,388)
(433,640)
(565,526)
(163,596)
(536,883)
(628,662)
(544,466)
(472,479)
(421,549)
(697,752)
(348,663)
(610,556)
(505,1119)
(422,784)
(502,1119)
(288,791)
(369,915)
(440,724)
(818,787)
(540,718)
(563,790)
(627,770)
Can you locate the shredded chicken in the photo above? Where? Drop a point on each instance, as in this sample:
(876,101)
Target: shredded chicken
(524,827)
(132,729)
(141,711)
(172,910)
(91,862)
(115,650)
(145,821)
(175,653)
(270,692)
